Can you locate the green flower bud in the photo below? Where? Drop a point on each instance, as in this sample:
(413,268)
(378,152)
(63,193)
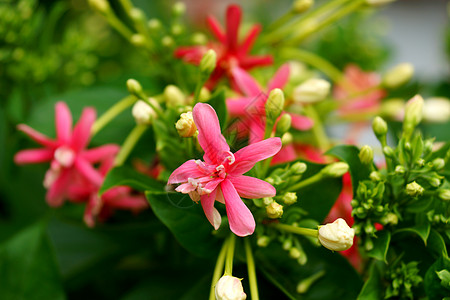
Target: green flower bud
(368,245)
(138,40)
(287,244)
(167,41)
(137,15)
(444,194)
(134,87)
(179,9)
(199,38)
(366,155)
(311,91)
(294,253)
(267,201)
(378,2)
(398,76)
(284,123)
(298,168)
(390,218)
(300,6)
(205,95)
(176,29)
(186,126)
(274,210)
(335,169)
(434,181)
(375,176)
(290,198)
(154,24)
(413,114)
(274,104)
(392,108)
(400,170)
(438,163)
(263,241)
(379,127)
(208,62)
(174,96)
(101,6)
(286,139)
(414,189)
(388,151)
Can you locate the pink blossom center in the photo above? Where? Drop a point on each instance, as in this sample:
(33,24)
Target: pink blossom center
(64,156)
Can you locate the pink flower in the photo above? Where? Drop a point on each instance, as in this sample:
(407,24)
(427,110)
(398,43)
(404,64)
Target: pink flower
(219,177)
(250,110)
(230,53)
(70,161)
(358,92)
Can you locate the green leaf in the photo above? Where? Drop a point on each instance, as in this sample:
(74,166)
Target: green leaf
(432,282)
(381,246)
(422,228)
(436,244)
(125,175)
(373,288)
(186,220)
(28,268)
(349,154)
(217,101)
(285,272)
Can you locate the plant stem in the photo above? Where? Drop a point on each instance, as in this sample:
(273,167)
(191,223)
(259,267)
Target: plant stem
(251,270)
(218,269)
(308,181)
(295,229)
(230,255)
(117,24)
(111,113)
(129,144)
(281,21)
(319,132)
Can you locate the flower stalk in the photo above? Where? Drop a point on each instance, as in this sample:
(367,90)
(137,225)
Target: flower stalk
(251,270)
(218,269)
(129,144)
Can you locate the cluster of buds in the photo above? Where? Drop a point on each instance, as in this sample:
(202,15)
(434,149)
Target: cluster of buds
(403,278)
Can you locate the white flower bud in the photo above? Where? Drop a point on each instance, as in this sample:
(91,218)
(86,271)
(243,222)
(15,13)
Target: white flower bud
(274,210)
(335,169)
(143,113)
(336,236)
(229,288)
(398,76)
(414,110)
(300,6)
(185,125)
(134,87)
(138,40)
(436,109)
(312,90)
(379,127)
(174,96)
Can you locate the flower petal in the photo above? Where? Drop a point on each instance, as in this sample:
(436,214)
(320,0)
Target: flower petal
(211,213)
(191,54)
(82,131)
(63,122)
(187,170)
(233,21)
(37,136)
(209,136)
(249,40)
(216,29)
(280,78)
(286,154)
(88,171)
(100,153)
(240,218)
(251,154)
(250,62)
(32,156)
(57,191)
(300,122)
(238,106)
(245,82)
(252,188)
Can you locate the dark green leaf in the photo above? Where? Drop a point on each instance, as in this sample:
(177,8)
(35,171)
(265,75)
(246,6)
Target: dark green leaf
(217,101)
(381,246)
(432,282)
(436,244)
(349,154)
(186,221)
(125,175)
(28,268)
(373,288)
(422,228)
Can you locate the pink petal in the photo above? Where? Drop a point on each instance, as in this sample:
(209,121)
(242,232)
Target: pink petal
(32,156)
(251,154)
(286,154)
(37,136)
(191,54)
(233,21)
(100,153)
(280,78)
(82,131)
(210,137)
(215,28)
(88,171)
(301,122)
(63,122)
(250,62)
(240,218)
(252,188)
(239,106)
(120,197)
(249,40)
(57,191)
(212,184)
(245,82)
(211,212)
(187,170)
(257,130)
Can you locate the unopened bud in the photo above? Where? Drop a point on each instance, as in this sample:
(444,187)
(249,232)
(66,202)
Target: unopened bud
(366,155)
(336,236)
(375,176)
(167,41)
(263,241)
(102,6)
(294,253)
(400,169)
(388,152)
(208,62)
(229,288)
(154,24)
(398,76)
(436,109)
(174,96)
(177,29)
(413,111)
(434,181)
(438,163)
(287,244)
(298,168)
(274,104)
(286,139)
(199,38)
(267,201)
(178,9)
(274,210)
(137,15)
(300,6)
(185,125)
(444,194)
(204,95)
(143,113)
(335,169)
(284,123)
(390,218)
(393,108)
(414,189)
(311,91)
(379,127)
(138,40)
(290,198)
(134,87)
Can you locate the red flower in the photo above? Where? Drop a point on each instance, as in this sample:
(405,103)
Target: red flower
(230,53)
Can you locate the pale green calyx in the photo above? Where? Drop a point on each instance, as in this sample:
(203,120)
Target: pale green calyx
(208,62)
(311,91)
(290,198)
